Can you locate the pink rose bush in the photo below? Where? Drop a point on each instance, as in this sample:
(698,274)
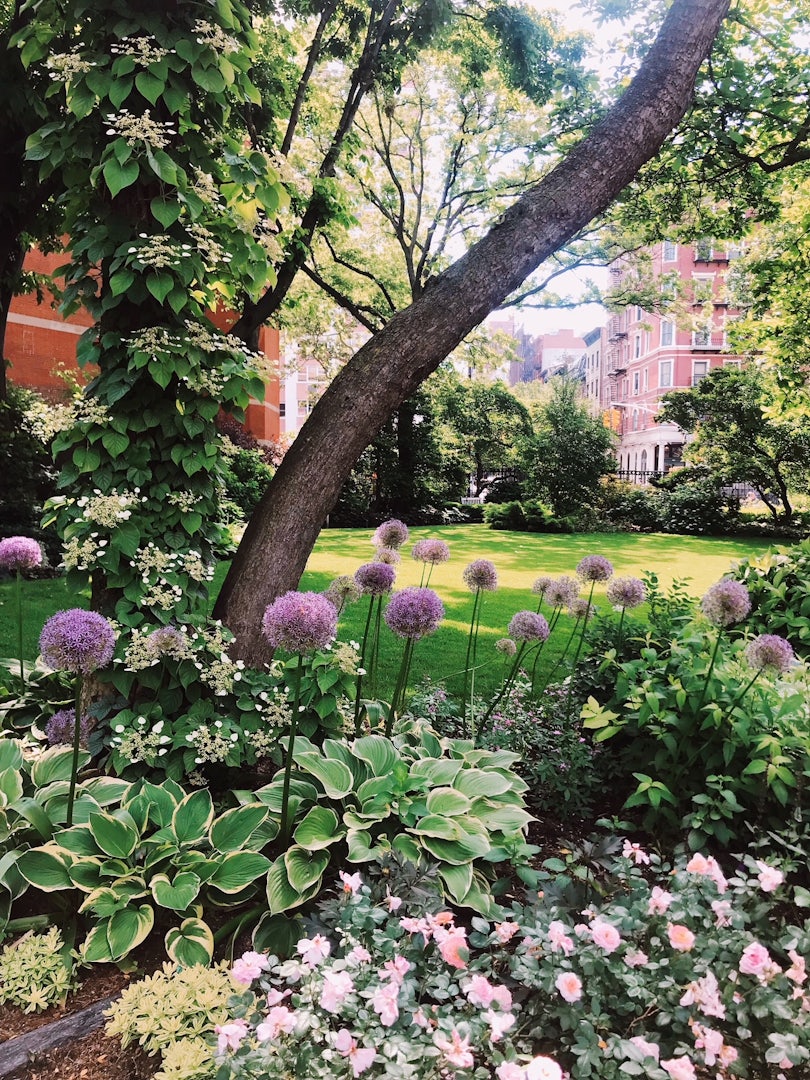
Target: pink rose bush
(649,983)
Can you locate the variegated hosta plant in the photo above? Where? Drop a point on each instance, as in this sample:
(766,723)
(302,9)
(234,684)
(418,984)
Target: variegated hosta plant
(415,794)
(161,856)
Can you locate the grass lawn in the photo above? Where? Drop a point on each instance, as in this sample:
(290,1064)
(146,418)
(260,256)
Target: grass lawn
(519,558)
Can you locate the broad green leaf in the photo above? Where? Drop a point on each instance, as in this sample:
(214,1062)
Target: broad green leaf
(159,284)
(319,829)
(277,934)
(436,825)
(55,764)
(378,752)
(231,831)
(335,777)
(437,770)
(446,800)
(78,840)
(505,818)
(95,948)
(360,847)
(115,837)
(161,803)
(39,819)
(45,868)
(11,755)
(455,851)
(457,880)
(407,846)
(238,870)
(167,211)
(118,176)
(304,868)
(281,896)
(176,894)
(128,928)
(115,443)
(478,782)
(11,786)
(190,943)
(192,817)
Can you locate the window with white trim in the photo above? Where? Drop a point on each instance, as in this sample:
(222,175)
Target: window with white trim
(667,333)
(670,251)
(665,373)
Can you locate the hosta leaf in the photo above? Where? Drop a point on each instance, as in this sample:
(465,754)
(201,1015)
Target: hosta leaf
(128,928)
(95,948)
(437,770)
(334,776)
(115,837)
(192,817)
(238,870)
(446,800)
(379,753)
(457,880)
(478,782)
(176,894)
(319,829)
(55,763)
(190,943)
(45,869)
(304,868)
(455,851)
(232,830)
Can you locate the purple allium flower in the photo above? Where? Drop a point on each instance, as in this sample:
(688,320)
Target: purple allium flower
(595,568)
(726,602)
(430,551)
(528,626)
(580,608)
(375,578)
(77,641)
(391,534)
(60,728)
(626,592)
(561,591)
(342,590)
(506,646)
(300,622)
(414,612)
(541,586)
(388,555)
(481,574)
(770,651)
(168,641)
(19,553)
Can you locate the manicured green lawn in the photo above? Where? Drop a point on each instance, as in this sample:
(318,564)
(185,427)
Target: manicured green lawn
(519,558)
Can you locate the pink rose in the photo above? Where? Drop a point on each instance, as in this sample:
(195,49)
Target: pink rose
(605,935)
(569,986)
(680,937)
(543,1068)
(680,1068)
(648,1049)
(754,959)
(455,1049)
(351,882)
(769,877)
(660,900)
(509,1070)
(505,931)
(453,945)
(229,1036)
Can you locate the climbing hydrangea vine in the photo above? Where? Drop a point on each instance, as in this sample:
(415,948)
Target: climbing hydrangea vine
(165,202)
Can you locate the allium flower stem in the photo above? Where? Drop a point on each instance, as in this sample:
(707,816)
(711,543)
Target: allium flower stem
(18,591)
(399,687)
(286,826)
(743,692)
(710,670)
(472,644)
(357,726)
(375,647)
(505,686)
(579,650)
(74,766)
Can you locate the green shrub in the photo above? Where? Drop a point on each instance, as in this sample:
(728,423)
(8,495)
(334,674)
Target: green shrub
(505,516)
(36,971)
(778,583)
(632,507)
(245,477)
(27,471)
(698,507)
(171,1013)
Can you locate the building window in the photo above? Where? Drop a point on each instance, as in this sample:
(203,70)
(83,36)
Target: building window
(703,250)
(635,419)
(702,288)
(282,409)
(665,373)
(635,383)
(644,461)
(702,339)
(637,347)
(645,380)
(700,369)
(667,333)
(670,252)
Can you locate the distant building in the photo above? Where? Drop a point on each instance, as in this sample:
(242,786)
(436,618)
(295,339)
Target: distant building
(555,353)
(647,354)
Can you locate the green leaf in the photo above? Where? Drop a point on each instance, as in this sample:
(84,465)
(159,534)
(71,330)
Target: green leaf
(457,879)
(448,801)
(115,442)
(149,85)
(234,828)
(191,943)
(458,851)
(319,829)
(11,755)
(177,894)
(439,771)
(477,782)
(336,778)
(160,284)
(277,934)
(45,868)
(128,928)
(305,868)
(118,176)
(238,870)
(115,837)
(379,753)
(56,763)
(165,210)
(192,818)
(11,786)
(281,896)
(95,948)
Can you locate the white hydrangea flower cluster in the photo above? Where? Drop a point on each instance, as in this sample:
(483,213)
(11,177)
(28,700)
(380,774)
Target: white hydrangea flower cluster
(159,252)
(82,554)
(142,743)
(144,50)
(108,510)
(214,37)
(63,66)
(211,743)
(154,560)
(140,129)
(212,252)
(45,421)
(183,500)
(204,187)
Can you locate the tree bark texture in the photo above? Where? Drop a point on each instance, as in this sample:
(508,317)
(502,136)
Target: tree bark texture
(285,525)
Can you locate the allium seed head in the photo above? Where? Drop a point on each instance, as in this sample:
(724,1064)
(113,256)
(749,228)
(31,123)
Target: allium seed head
(59,730)
(341,591)
(391,534)
(480,574)
(430,551)
(595,568)
(561,591)
(388,555)
(300,622)
(19,553)
(726,602)
(375,578)
(506,646)
(414,612)
(579,608)
(541,586)
(770,651)
(626,592)
(528,626)
(77,641)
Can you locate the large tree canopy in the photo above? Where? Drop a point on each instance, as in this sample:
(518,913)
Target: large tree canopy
(390,366)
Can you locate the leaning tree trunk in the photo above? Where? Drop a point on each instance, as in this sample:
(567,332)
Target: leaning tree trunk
(285,525)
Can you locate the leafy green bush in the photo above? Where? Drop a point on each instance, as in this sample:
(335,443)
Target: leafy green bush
(245,477)
(698,506)
(778,583)
(532,515)
(36,971)
(171,1013)
(631,506)
(704,742)
(28,474)
(508,515)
